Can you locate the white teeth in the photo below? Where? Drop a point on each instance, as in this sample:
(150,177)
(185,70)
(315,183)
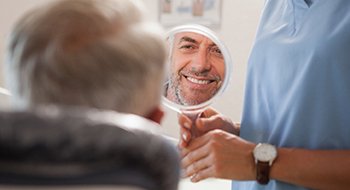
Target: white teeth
(198,81)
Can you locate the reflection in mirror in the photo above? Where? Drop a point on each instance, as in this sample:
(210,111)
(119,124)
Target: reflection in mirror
(198,67)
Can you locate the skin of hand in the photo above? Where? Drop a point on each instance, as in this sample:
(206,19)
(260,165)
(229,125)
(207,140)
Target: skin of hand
(209,120)
(218,154)
(209,154)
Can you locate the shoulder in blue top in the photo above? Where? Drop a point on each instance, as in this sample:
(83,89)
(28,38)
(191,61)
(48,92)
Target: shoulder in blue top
(298,83)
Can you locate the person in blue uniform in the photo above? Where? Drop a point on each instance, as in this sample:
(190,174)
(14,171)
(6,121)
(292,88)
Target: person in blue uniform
(297,103)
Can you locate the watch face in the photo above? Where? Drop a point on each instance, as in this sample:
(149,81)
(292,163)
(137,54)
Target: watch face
(265,152)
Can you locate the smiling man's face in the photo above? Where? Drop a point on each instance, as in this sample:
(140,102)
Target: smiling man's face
(197,69)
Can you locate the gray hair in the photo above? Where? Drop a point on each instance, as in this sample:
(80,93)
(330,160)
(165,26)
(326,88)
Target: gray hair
(95,53)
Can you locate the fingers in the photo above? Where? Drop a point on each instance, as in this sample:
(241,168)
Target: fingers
(210,119)
(209,112)
(189,157)
(185,122)
(198,166)
(185,130)
(217,121)
(204,157)
(203,174)
(195,144)
(207,124)
(185,137)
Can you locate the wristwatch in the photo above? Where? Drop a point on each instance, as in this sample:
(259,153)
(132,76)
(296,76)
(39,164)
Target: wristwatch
(264,155)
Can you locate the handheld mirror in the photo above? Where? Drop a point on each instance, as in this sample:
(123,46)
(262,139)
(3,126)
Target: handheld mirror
(199,68)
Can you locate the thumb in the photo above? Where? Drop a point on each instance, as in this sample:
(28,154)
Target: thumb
(205,124)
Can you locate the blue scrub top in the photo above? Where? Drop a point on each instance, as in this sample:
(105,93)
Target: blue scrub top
(298,82)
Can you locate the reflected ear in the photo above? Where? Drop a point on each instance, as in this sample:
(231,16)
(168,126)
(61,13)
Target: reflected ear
(156,115)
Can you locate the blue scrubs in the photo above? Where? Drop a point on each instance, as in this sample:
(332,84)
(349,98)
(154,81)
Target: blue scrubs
(298,82)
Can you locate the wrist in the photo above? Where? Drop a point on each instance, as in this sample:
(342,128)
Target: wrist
(264,156)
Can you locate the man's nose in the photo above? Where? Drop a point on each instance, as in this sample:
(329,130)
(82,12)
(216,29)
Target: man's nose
(201,61)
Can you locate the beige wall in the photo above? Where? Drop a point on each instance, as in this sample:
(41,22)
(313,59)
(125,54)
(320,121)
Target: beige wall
(239,23)
(10,11)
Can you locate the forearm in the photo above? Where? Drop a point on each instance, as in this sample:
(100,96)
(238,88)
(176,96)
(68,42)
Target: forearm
(315,169)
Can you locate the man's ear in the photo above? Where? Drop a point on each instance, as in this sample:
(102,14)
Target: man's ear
(156,115)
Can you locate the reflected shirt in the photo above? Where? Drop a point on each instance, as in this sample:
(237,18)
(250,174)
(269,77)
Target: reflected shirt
(298,84)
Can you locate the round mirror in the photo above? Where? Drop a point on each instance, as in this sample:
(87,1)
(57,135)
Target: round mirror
(199,68)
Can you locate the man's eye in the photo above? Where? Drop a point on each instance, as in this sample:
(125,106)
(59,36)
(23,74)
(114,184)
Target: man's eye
(216,51)
(187,47)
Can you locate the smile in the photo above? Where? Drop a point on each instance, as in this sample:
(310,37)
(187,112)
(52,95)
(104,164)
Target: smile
(198,81)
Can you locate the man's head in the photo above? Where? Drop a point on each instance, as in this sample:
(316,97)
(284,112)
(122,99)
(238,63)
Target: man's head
(197,69)
(91,53)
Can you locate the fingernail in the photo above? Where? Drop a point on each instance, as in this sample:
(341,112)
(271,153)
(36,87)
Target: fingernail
(184,136)
(194,178)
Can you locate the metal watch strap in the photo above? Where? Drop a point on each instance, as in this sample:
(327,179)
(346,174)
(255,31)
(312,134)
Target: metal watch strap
(262,172)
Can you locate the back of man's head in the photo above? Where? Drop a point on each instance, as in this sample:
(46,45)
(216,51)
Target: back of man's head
(91,53)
